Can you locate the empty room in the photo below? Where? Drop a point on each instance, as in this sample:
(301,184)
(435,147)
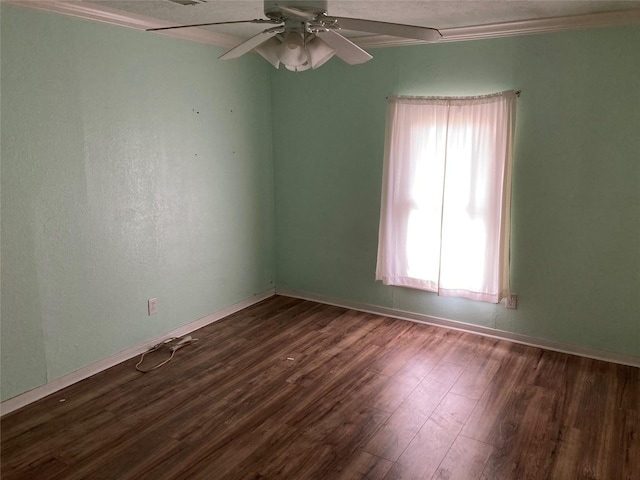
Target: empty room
(320,239)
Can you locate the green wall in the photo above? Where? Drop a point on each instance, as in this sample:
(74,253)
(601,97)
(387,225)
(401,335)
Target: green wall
(576,179)
(133,166)
(137,166)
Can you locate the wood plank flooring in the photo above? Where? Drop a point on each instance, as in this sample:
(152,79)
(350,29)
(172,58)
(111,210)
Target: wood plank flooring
(365,397)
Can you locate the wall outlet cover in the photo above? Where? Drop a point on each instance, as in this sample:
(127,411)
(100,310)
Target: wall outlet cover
(152,306)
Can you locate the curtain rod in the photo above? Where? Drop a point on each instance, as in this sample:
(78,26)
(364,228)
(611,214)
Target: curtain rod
(517,92)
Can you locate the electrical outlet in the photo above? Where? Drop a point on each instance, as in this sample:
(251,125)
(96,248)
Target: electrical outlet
(511,301)
(152,305)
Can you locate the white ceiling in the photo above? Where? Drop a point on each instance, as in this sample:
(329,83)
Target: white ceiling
(439,14)
(456,19)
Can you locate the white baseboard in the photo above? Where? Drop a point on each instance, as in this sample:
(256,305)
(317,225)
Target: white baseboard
(31,396)
(579,350)
(37,393)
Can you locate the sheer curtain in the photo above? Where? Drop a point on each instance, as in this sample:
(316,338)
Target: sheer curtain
(445,210)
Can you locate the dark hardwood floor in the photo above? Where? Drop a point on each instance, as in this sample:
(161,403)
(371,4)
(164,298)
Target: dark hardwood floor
(365,396)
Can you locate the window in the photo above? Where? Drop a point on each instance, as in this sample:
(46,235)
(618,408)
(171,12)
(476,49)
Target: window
(445,210)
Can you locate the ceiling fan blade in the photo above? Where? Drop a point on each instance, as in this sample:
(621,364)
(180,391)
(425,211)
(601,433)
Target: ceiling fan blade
(252,43)
(386,28)
(257,20)
(345,49)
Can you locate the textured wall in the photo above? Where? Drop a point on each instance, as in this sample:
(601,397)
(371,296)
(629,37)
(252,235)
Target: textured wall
(133,166)
(137,166)
(576,179)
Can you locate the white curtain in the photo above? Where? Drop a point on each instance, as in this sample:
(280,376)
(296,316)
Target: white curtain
(444,223)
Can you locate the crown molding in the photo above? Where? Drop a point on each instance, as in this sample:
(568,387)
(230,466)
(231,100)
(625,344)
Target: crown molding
(509,29)
(112,16)
(91,11)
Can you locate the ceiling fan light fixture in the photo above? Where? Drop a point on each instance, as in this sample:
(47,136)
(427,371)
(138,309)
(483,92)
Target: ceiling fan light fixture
(299,68)
(319,52)
(269,51)
(292,52)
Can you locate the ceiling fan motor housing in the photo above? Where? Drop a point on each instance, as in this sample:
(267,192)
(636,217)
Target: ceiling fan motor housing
(272,7)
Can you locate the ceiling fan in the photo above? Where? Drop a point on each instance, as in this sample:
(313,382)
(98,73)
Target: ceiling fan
(305,37)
